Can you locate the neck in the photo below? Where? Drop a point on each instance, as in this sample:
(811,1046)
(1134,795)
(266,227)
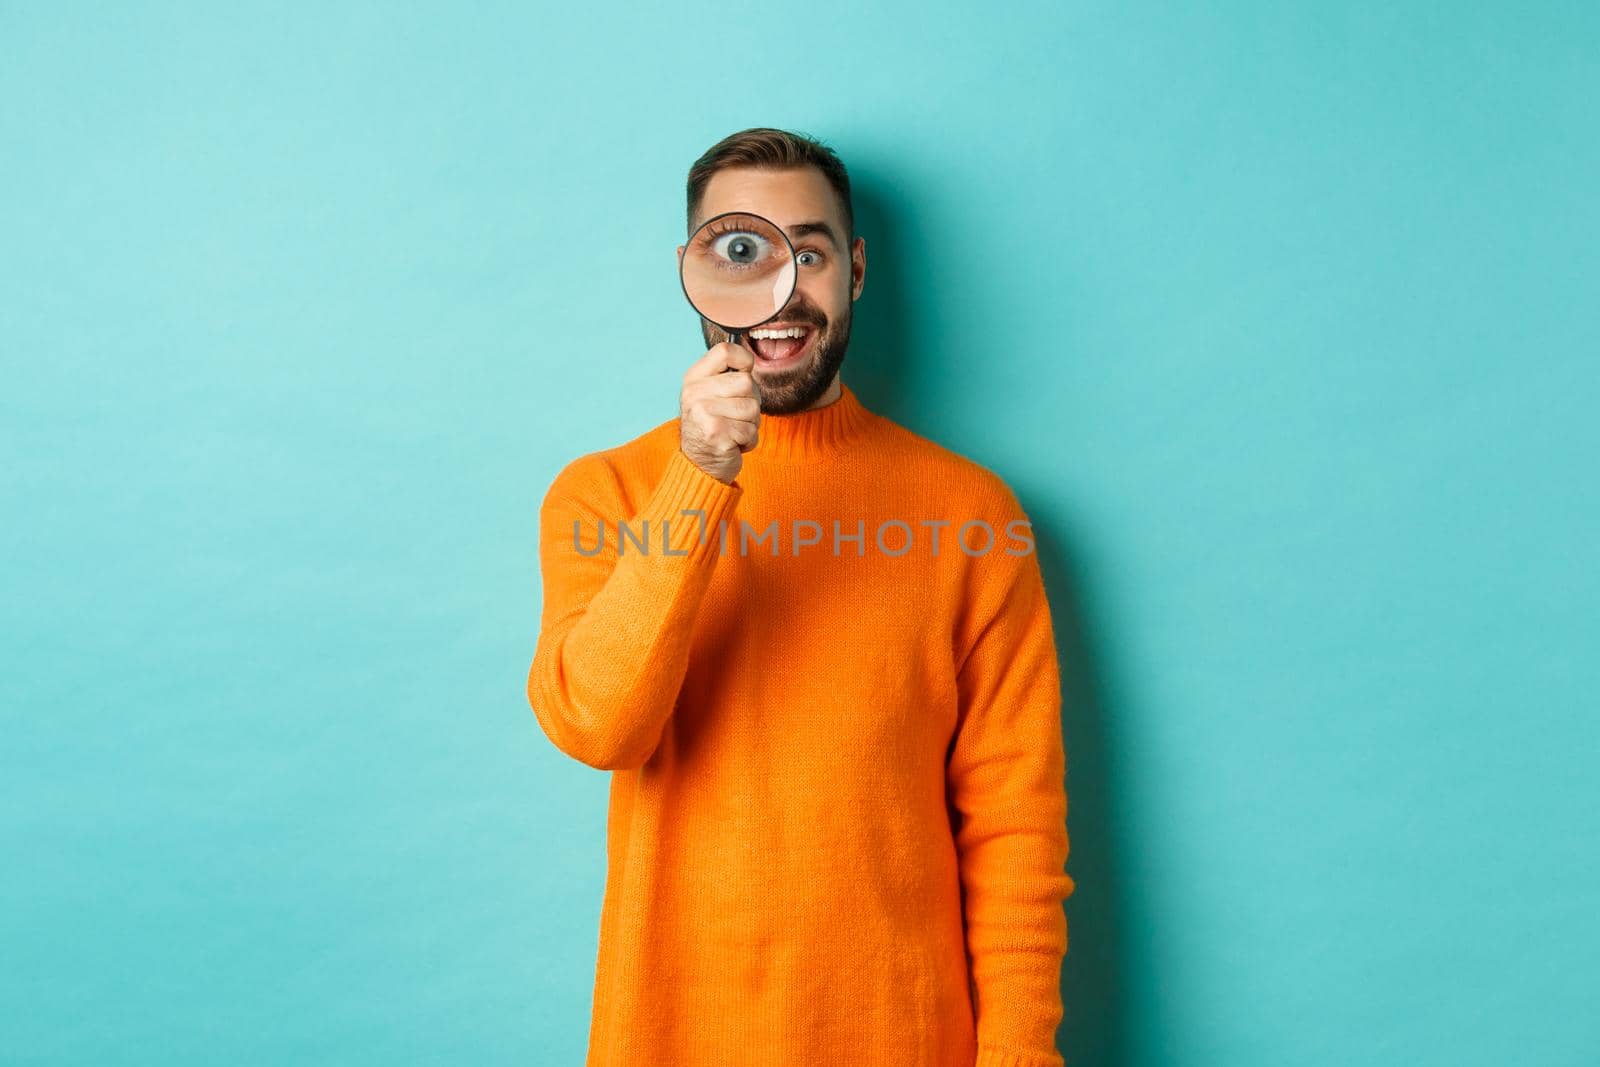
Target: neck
(829,395)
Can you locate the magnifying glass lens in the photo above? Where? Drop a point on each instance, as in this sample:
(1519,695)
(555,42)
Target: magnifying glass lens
(738,270)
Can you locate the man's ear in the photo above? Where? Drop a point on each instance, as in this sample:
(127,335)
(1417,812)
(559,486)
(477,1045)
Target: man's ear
(680,253)
(858,265)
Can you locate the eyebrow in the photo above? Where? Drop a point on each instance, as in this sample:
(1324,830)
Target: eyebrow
(802,229)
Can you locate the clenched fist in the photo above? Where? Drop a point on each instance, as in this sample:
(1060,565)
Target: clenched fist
(720,410)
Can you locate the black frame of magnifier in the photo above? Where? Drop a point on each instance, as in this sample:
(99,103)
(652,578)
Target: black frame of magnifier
(733,334)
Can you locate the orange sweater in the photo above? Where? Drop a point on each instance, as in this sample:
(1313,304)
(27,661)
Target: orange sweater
(837,829)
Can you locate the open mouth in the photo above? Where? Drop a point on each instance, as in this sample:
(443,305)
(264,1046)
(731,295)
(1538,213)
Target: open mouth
(780,345)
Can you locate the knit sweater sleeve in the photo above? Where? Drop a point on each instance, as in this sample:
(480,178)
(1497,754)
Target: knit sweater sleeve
(1006,779)
(617,620)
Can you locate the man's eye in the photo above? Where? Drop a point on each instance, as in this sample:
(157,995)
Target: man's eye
(739,247)
(815,257)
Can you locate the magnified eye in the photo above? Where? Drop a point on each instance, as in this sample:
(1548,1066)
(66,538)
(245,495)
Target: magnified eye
(740,247)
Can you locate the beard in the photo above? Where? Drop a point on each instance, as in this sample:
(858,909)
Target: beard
(797,388)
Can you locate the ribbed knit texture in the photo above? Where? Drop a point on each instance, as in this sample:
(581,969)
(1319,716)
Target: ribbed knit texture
(837,827)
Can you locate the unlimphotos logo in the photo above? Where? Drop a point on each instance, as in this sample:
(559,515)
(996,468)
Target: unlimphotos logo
(892,537)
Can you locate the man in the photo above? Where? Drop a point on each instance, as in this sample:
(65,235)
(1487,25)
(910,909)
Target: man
(829,698)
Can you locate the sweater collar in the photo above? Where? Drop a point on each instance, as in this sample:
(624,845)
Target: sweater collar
(816,431)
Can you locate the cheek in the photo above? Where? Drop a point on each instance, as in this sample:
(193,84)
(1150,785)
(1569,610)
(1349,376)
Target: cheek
(827,290)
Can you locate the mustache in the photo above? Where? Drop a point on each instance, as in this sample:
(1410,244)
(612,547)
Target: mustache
(801,315)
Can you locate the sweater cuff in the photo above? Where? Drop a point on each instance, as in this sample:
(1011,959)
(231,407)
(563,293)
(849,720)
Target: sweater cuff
(683,488)
(988,1056)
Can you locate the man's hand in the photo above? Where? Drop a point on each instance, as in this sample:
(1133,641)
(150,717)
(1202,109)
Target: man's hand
(720,410)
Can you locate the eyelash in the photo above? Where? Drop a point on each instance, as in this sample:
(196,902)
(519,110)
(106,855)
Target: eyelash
(727,228)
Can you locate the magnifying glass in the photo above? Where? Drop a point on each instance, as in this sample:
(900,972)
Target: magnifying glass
(738,270)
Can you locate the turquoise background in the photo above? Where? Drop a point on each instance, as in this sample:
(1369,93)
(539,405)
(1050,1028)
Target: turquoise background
(1280,318)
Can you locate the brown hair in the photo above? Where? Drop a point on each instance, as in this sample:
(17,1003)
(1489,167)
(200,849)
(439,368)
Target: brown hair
(770,149)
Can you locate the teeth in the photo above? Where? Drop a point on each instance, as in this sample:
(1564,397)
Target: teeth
(793,331)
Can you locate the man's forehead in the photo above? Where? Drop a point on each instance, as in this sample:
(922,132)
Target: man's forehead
(793,198)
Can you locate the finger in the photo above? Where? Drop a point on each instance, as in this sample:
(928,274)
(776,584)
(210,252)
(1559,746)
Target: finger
(742,408)
(720,357)
(744,434)
(732,383)
(726,435)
